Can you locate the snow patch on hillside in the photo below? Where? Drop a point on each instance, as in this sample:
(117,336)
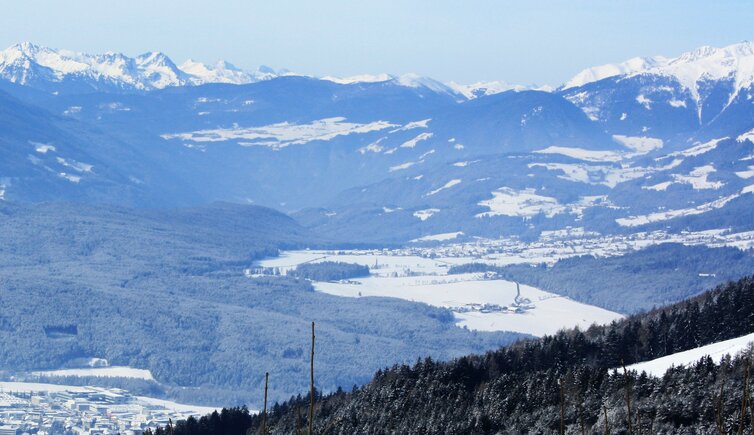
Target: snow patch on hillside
(438,237)
(661,216)
(412,143)
(746,174)
(697,178)
(425,214)
(281,135)
(640,144)
(447,185)
(582,154)
(658,367)
(696,150)
(520,203)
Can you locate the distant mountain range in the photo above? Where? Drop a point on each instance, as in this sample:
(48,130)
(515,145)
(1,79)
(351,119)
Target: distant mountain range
(646,144)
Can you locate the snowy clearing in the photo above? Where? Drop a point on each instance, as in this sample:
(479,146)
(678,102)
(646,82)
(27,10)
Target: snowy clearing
(478,302)
(582,154)
(716,351)
(447,185)
(634,221)
(283,134)
(412,143)
(438,237)
(509,202)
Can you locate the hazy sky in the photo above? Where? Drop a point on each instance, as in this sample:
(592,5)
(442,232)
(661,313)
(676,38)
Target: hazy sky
(543,42)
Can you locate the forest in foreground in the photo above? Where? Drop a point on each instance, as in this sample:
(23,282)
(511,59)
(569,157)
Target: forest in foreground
(571,382)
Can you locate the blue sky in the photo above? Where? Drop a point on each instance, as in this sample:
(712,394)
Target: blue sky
(543,42)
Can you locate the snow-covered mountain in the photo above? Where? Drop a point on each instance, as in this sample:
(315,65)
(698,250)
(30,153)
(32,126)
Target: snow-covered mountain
(706,92)
(665,143)
(691,69)
(67,71)
(50,69)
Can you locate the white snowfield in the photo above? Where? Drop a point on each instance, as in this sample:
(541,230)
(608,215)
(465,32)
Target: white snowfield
(33,387)
(526,203)
(105,372)
(282,134)
(661,216)
(658,367)
(426,280)
(735,61)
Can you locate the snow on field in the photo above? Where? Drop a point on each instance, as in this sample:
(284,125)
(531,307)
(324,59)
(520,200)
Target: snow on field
(402,166)
(640,144)
(425,280)
(73,164)
(659,186)
(423,215)
(438,237)
(105,372)
(43,148)
(746,174)
(447,185)
(549,312)
(571,172)
(381,265)
(697,178)
(609,176)
(33,387)
(716,351)
(72,178)
(582,154)
(634,221)
(510,202)
(464,163)
(412,143)
(749,135)
(412,125)
(179,407)
(696,150)
(283,134)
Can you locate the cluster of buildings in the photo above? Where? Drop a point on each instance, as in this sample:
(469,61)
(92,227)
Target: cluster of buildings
(83,410)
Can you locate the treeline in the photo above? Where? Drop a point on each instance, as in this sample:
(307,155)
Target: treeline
(329,271)
(641,280)
(518,389)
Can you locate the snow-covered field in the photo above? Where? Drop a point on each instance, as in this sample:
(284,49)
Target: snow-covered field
(716,351)
(32,387)
(426,280)
(283,134)
(105,372)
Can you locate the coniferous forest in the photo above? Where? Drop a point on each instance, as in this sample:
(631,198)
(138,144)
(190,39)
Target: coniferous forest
(568,383)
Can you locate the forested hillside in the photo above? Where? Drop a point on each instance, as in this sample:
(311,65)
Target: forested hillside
(165,290)
(644,279)
(518,389)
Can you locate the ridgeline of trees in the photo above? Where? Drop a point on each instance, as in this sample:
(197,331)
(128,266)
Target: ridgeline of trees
(329,271)
(525,387)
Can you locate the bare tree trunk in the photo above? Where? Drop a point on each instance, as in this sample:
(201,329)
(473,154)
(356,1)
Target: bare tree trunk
(298,420)
(311,389)
(743,400)
(264,412)
(607,427)
(628,399)
(719,416)
(562,404)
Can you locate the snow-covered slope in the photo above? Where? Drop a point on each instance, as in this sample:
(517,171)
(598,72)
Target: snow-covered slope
(658,367)
(734,62)
(36,66)
(631,66)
